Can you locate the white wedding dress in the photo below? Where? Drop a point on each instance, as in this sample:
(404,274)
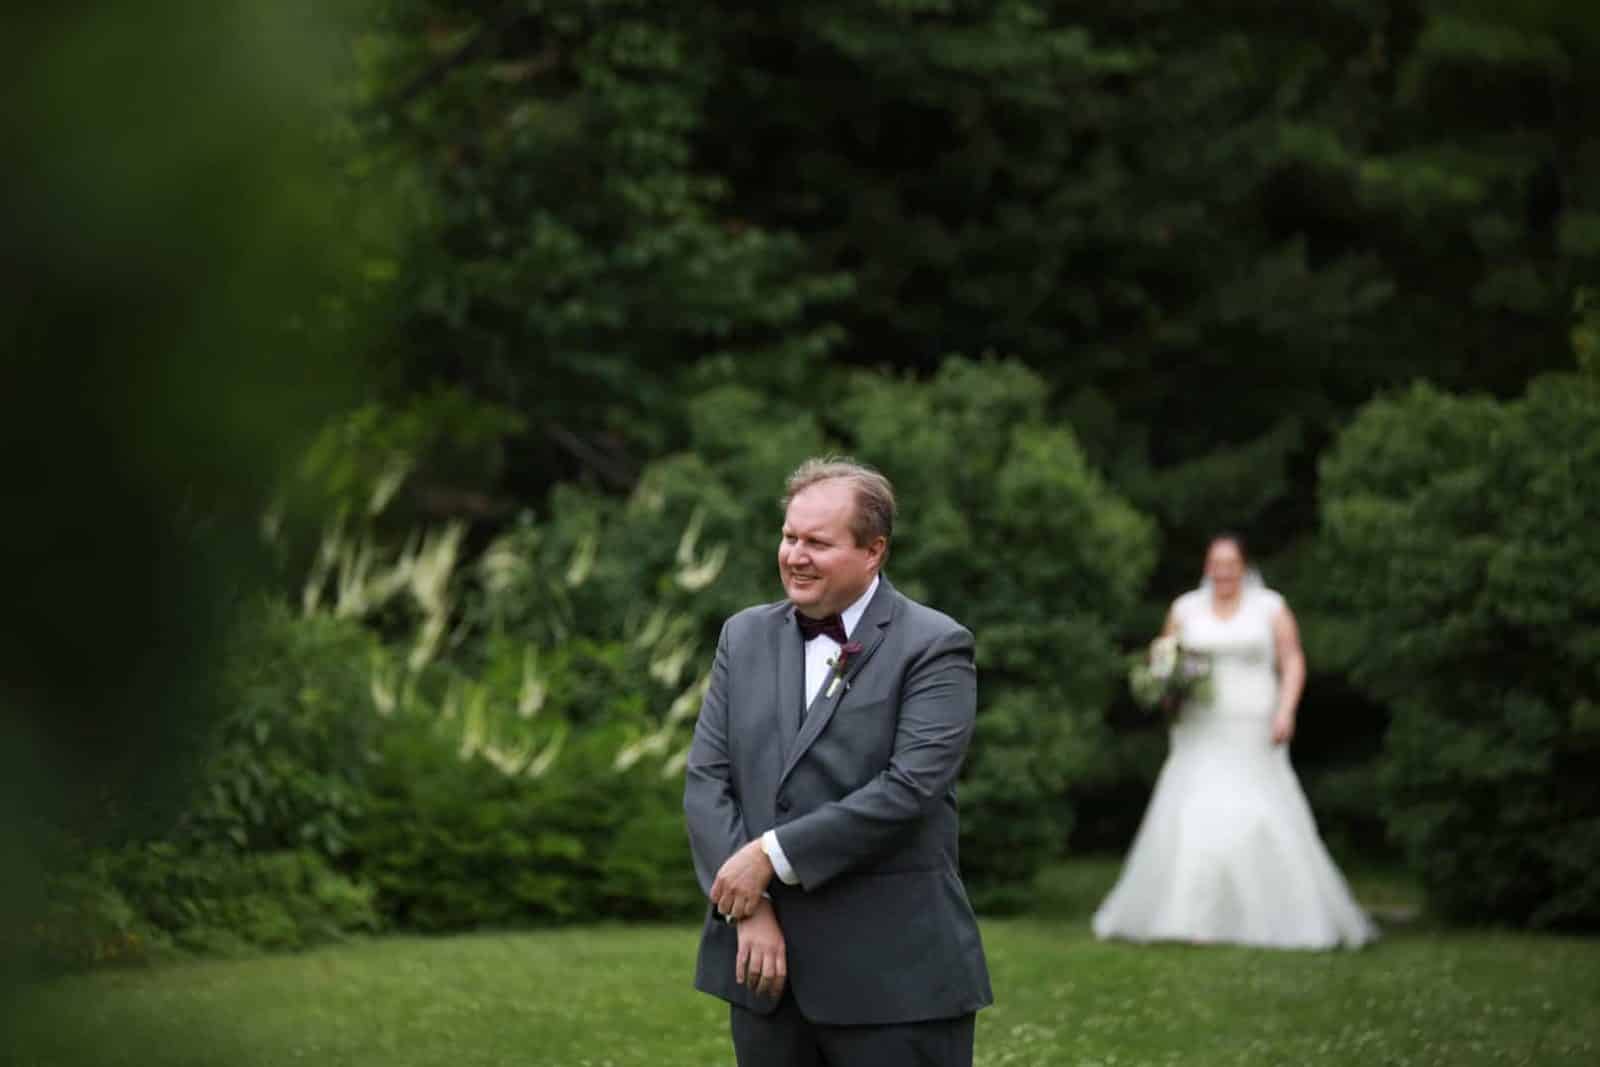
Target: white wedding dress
(1228,850)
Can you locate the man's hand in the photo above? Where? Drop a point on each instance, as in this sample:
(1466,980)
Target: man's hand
(741,881)
(763,961)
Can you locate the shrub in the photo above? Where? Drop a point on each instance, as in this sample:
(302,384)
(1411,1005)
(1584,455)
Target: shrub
(1010,530)
(249,861)
(503,743)
(455,842)
(483,745)
(618,603)
(1005,526)
(288,757)
(151,901)
(87,922)
(1459,536)
(221,902)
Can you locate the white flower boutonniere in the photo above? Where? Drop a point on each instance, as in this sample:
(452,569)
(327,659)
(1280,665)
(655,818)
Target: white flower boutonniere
(838,664)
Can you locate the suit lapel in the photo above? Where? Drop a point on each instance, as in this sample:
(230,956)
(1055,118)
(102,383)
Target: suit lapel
(869,631)
(791,652)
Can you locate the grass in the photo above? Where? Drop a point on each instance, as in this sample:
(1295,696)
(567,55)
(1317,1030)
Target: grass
(609,996)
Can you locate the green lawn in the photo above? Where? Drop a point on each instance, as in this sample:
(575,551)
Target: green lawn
(615,995)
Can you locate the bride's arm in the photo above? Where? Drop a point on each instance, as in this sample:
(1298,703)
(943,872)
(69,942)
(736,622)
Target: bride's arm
(1291,673)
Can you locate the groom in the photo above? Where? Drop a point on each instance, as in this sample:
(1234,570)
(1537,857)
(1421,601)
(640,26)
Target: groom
(821,805)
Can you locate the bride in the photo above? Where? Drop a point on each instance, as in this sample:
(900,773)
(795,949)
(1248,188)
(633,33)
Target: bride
(1228,850)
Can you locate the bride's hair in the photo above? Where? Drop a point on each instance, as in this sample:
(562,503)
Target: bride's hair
(1238,542)
(1252,577)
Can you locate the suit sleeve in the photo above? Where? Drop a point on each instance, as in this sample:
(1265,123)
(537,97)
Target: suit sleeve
(938,704)
(710,801)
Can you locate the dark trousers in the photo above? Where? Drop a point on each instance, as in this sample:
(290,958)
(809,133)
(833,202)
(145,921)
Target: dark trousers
(788,1039)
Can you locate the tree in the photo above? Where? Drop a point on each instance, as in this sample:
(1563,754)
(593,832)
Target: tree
(1458,540)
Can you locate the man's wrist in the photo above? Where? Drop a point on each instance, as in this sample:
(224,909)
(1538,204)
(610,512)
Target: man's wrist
(734,920)
(781,867)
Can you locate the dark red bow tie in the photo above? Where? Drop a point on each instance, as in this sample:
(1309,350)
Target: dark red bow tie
(833,626)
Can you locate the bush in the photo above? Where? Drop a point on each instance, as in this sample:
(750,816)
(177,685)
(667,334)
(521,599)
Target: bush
(249,861)
(619,601)
(1009,530)
(454,843)
(222,902)
(88,922)
(152,901)
(1005,526)
(288,757)
(1459,535)
(503,744)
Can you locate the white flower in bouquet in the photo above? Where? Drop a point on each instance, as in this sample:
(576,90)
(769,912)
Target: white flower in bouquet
(1164,656)
(1167,674)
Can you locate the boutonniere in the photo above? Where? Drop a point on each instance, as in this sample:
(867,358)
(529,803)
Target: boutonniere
(838,663)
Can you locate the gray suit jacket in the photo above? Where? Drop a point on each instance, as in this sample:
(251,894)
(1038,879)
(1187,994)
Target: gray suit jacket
(862,793)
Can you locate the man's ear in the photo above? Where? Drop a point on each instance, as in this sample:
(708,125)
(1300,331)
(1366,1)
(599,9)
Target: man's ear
(876,549)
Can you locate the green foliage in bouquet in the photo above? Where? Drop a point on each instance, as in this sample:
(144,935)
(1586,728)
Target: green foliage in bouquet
(1459,537)
(1167,674)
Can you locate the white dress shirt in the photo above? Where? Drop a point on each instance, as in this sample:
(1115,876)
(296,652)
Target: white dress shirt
(819,650)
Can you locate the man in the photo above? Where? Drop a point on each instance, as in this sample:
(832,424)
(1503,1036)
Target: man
(821,805)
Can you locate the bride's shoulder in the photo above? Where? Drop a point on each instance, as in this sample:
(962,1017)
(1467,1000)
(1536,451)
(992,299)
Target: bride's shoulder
(1270,601)
(1187,603)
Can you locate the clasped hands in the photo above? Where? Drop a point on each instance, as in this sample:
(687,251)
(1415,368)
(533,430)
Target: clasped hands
(738,894)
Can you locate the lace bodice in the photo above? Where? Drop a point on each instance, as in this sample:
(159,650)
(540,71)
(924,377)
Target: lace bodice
(1244,653)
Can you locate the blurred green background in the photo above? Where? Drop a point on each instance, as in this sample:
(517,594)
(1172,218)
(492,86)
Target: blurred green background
(399,393)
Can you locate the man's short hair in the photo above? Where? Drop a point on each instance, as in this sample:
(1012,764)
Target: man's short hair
(874,511)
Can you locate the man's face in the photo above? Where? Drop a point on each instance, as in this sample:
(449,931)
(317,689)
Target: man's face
(823,569)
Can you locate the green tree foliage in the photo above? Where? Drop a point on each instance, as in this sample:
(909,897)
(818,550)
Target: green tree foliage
(577,255)
(1214,231)
(1459,540)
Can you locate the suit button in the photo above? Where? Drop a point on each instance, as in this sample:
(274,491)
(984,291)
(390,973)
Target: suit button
(783,803)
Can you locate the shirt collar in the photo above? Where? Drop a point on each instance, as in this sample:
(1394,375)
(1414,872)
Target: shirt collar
(852,614)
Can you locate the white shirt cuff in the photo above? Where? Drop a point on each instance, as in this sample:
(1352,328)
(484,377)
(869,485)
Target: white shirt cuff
(780,862)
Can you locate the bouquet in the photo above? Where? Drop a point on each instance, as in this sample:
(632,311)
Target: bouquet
(1169,674)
